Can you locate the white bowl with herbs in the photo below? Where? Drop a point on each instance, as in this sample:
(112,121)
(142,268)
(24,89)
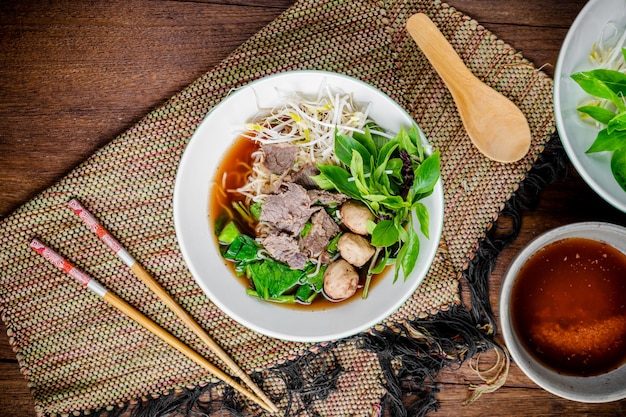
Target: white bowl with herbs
(589,89)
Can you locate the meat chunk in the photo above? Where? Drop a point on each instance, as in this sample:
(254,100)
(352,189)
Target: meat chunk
(355,249)
(284,248)
(323,229)
(289,209)
(340,280)
(279,157)
(327,198)
(355,215)
(304,174)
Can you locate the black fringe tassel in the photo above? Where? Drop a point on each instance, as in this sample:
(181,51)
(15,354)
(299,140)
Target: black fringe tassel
(411,354)
(448,339)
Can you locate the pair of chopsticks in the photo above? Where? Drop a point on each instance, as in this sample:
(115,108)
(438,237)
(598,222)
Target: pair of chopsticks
(260,398)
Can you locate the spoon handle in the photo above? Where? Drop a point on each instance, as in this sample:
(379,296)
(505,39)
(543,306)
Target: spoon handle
(439,52)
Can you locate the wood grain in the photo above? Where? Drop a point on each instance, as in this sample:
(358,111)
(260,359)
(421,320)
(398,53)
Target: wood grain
(73,75)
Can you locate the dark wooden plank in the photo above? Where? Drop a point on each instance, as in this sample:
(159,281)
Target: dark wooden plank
(74,77)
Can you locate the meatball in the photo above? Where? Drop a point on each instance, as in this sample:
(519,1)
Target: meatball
(355,215)
(355,249)
(341,280)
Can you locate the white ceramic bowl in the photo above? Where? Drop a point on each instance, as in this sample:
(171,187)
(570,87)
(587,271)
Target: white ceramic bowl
(196,236)
(607,387)
(577,136)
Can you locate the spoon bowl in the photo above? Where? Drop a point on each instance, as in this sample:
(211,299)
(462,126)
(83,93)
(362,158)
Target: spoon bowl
(494,124)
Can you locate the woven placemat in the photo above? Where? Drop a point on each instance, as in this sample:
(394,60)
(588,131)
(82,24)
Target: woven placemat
(79,355)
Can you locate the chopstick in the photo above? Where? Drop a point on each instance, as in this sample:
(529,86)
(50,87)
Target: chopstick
(157,289)
(110,297)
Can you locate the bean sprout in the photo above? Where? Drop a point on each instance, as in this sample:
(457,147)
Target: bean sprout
(309,123)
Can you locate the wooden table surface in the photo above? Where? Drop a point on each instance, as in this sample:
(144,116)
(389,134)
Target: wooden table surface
(73,75)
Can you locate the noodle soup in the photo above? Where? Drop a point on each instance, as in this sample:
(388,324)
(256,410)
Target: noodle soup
(314,201)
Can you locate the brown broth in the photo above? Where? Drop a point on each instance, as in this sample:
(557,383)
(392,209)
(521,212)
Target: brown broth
(568,306)
(232,173)
(236,165)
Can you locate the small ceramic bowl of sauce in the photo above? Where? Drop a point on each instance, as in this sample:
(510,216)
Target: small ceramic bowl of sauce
(563,311)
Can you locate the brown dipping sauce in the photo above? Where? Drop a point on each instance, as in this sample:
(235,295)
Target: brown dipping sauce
(568,306)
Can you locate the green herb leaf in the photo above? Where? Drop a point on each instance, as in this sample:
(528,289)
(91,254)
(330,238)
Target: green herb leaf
(340,178)
(608,142)
(242,249)
(409,257)
(228,234)
(617,123)
(618,167)
(385,234)
(600,114)
(421,212)
(426,175)
(382,263)
(592,84)
(344,148)
(367,141)
(323,182)
(386,151)
(614,80)
(406,143)
(272,279)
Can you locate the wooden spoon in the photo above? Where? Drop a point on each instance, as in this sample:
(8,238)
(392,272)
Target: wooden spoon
(494,124)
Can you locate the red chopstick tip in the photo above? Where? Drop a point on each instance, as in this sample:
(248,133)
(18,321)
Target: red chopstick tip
(37,245)
(75,205)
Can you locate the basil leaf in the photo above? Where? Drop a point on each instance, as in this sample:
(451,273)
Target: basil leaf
(339,177)
(401,224)
(600,114)
(406,143)
(409,257)
(596,87)
(379,140)
(426,175)
(399,258)
(382,263)
(346,145)
(417,140)
(608,142)
(386,152)
(394,202)
(618,167)
(614,80)
(374,197)
(384,234)
(366,140)
(617,123)
(421,212)
(358,174)
(395,166)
